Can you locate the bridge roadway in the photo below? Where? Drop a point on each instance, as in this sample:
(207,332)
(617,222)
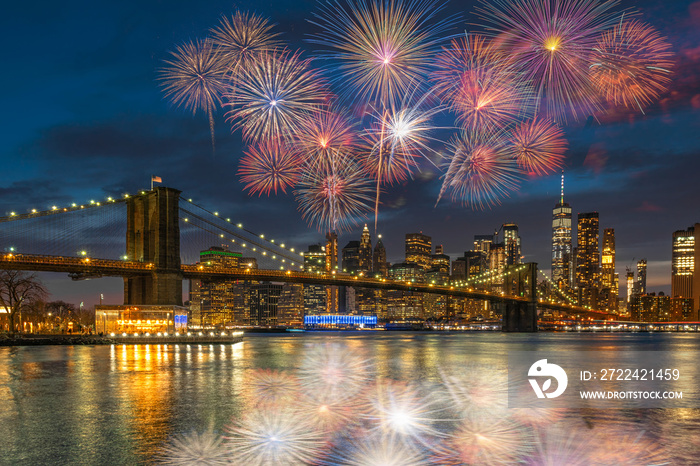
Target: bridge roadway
(91,267)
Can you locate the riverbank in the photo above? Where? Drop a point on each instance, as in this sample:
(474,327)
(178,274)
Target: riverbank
(41,340)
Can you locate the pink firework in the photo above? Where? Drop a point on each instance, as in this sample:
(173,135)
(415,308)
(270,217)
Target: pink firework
(480,170)
(478,82)
(550,42)
(268,167)
(322,132)
(538,146)
(273,95)
(631,64)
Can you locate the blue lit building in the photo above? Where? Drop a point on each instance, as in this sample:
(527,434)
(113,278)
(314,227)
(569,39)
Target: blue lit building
(340,321)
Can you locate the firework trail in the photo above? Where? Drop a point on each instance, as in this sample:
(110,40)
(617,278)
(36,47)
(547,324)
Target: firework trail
(336,196)
(480,84)
(550,42)
(269,166)
(272,436)
(194,78)
(241,39)
(479,170)
(322,132)
(397,138)
(631,64)
(538,146)
(380,48)
(484,439)
(273,94)
(204,449)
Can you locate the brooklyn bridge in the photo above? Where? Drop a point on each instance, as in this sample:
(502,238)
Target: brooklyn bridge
(163,229)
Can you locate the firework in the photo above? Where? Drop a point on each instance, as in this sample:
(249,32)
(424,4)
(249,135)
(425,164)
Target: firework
(479,83)
(561,444)
(334,197)
(380,48)
(477,389)
(538,146)
(242,38)
(273,436)
(194,79)
(550,42)
(333,373)
(638,449)
(272,388)
(484,439)
(379,450)
(269,166)
(273,94)
(328,417)
(322,132)
(397,408)
(202,449)
(631,64)
(479,170)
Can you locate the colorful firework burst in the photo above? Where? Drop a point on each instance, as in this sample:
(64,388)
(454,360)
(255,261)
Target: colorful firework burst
(380,48)
(379,450)
(242,38)
(333,372)
(550,43)
(631,65)
(334,197)
(559,444)
(194,78)
(272,388)
(204,449)
(273,94)
(484,439)
(269,166)
(480,84)
(479,170)
(322,132)
(477,389)
(638,448)
(272,436)
(538,146)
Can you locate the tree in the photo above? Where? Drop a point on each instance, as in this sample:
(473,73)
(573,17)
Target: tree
(18,291)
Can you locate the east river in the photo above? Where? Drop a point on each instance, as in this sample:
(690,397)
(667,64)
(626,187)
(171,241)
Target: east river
(121,404)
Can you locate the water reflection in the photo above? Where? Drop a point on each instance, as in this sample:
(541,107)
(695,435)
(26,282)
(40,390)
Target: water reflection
(121,404)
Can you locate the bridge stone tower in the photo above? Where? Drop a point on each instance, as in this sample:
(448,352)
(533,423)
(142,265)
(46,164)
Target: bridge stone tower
(520,316)
(153,235)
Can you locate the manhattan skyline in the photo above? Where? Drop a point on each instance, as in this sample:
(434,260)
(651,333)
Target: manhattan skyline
(86,119)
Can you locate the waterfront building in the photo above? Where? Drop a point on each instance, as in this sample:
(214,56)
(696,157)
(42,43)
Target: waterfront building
(418,249)
(685,279)
(290,307)
(264,299)
(661,308)
(588,259)
(561,242)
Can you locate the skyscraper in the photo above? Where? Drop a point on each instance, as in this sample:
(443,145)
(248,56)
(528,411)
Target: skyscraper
(418,250)
(630,285)
(351,257)
(379,265)
(588,258)
(332,292)
(642,276)
(608,283)
(365,251)
(561,242)
(314,295)
(685,279)
(511,243)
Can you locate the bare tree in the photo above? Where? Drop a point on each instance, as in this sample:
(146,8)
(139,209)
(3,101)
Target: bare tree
(18,291)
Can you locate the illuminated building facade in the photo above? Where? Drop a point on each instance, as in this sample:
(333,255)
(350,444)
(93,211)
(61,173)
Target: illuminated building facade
(332,292)
(315,295)
(608,280)
(630,284)
(264,300)
(365,251)
(685,280)
(642,276)
(588,258)
(561,243)
(511,244)
(290,307)
(440,265)
(418,250)
(351,257)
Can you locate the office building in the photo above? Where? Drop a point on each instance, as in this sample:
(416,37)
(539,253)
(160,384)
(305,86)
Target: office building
(511,244)
(418,250)
(685,280)
(561,242)
(351,257)
(264,298)
(642,276)
(365,252)
(379,264)
(608,280)
(315,295)
(588,259)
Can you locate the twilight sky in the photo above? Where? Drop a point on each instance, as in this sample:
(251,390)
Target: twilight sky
(83,118)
